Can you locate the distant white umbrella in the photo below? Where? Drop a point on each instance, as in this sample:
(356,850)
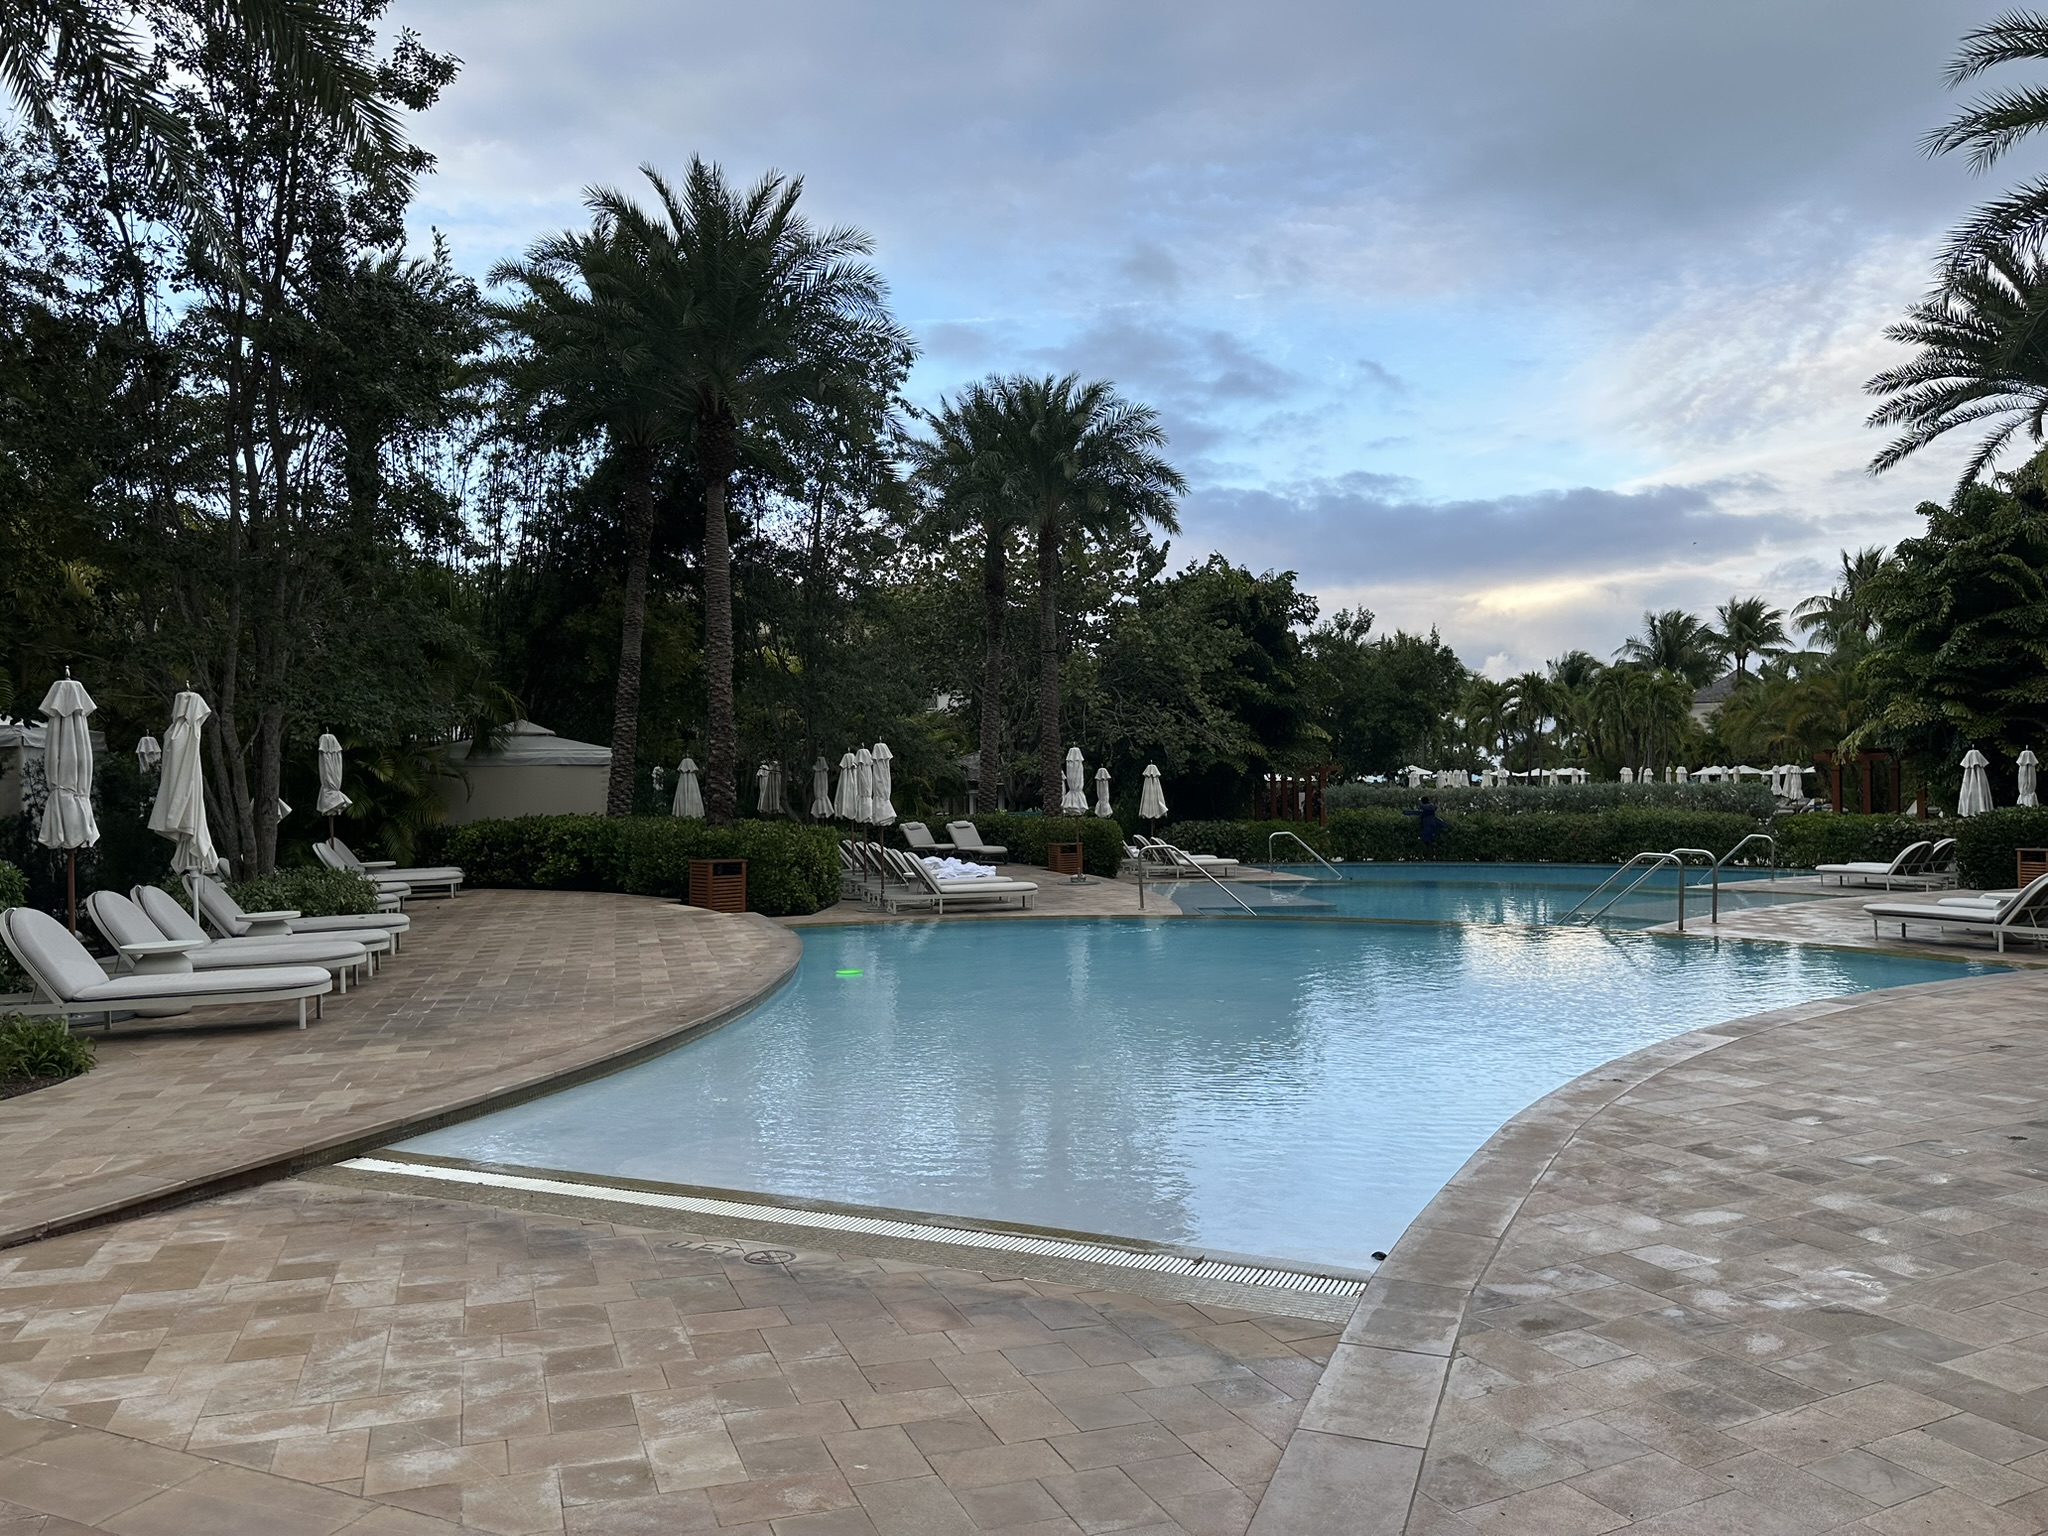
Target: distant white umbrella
(180,809)
(881,807)
(1628,775)
(67,765)
(1102,793)
(332,801)
(1976,797)
(821,790)
(847,804)
(1684,776)
(767,789)
(1074,789)
(148,754)
(2029,767)
(689,800)
(863,785)
(1151,799)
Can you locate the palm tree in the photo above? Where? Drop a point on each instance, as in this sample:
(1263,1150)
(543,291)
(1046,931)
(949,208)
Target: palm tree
(1674,641)
(756,320)
(1531,700)
(1983,357)
(1993,124)
(962,464)
(1750,627)
(1487,706)
(1841,619)
(584,368)
(85,52)
(1078,459)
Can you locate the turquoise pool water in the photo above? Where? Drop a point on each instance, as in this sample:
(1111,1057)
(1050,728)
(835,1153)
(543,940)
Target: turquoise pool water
(1290,1090)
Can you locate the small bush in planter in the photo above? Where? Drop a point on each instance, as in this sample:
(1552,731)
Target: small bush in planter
(40,1050)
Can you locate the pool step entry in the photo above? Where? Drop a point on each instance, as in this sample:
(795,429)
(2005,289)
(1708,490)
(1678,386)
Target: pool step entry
(1237,1272)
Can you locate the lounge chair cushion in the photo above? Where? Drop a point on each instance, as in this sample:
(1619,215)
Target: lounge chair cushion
(63,967)
(51,955)
(174,922)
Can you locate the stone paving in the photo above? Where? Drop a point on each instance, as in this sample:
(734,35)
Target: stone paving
(1786,1275)
(493,994)
(385,1359)
(1840,921)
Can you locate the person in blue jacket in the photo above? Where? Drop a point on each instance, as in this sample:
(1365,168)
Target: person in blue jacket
(1431,823)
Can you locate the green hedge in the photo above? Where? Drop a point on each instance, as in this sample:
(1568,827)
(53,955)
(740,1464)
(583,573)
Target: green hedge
(13,893)
(1245,841)
(791,869)
(1101,840)
(1536,837)
(1808,840)
(1751,799)
(313,892)
(1985,845)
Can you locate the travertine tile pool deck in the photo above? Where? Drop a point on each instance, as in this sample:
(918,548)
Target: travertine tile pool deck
(1789,1274)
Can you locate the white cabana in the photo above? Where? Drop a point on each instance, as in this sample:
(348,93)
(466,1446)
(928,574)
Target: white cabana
(689,800)
(1976,796)
(882,789)
(1151,798)
(845,795)
(524,769)
(1074,790)
(332,801)
(1102,807)
(180,810)
(821,790)
(2030,767)
(67,768)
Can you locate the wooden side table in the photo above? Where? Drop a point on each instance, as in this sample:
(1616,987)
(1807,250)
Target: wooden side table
(1063,858)
(718,885)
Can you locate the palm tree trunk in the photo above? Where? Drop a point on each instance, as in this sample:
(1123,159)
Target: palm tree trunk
(1049,755)
(995,598)
(638,463)
(716,451)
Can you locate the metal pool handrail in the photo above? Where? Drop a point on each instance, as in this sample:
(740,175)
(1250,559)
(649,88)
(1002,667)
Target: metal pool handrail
(1651,862)
(1179,860)
(1754,837)
(1283,832)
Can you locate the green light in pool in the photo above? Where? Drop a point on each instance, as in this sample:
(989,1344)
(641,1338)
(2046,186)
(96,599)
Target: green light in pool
(854,972)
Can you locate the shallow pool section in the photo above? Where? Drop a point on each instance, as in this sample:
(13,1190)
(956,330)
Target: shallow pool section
(1295,1091)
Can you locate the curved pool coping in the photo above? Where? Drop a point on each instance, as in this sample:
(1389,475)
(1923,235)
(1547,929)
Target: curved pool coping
(1355,1460)
(625,1041)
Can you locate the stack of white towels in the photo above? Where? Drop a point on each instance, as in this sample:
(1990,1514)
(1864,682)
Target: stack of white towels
(958,869)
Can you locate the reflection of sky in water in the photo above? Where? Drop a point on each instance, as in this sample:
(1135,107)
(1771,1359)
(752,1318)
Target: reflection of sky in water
(1294,1090)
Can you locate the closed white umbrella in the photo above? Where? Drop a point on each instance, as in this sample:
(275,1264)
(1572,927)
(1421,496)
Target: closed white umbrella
(332,801)
(2029,767)
(821,790)
(1628,775)
(1151,799)
(180,810)
(1102,793)
(761,801)
(847,804)
(1976,796)
(777,804)
(148,754)
(881,807)
(1074,789)
(67,766)
(689,800)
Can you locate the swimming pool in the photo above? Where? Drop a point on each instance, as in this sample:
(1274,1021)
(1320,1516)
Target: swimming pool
(1296,1091)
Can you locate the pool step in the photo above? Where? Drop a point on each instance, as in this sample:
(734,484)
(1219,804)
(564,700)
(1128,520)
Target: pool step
(1156,1260)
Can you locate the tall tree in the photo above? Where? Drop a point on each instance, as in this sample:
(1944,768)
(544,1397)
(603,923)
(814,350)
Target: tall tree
(754,317)
(1077,460)
(1749,626)
(1840,618)
(1990,126)
(962,465)
(1674,641)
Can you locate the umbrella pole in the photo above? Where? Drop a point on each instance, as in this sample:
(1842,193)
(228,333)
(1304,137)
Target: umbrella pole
(71,885)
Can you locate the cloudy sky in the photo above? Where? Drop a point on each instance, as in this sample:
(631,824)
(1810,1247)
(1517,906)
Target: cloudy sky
(1505,318)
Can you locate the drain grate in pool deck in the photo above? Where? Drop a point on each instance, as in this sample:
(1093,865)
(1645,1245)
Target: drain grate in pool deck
(881,1226)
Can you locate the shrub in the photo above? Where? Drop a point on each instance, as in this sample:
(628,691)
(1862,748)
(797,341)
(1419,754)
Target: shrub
(1101,840)
(1807,840)
(314,892)
(1246,841)
(1536,837)
(13,893)
(791,869)
(32,1049)
(1750,799)
(1985,844)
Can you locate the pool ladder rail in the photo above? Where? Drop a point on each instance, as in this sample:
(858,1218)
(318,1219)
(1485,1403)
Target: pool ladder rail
(1305,848)
(1648,863)
(1180,862)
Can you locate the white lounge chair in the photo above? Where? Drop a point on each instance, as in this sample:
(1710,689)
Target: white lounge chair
(2022,916)
(335,854)
(220,909)
(156,914)
(1179,859)
(69,981)
(967,840)
(1906,867)
(919,837)
(923,888)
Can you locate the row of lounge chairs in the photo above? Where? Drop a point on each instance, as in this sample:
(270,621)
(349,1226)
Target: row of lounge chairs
(165,962)
(897,881)
(966,840)
(393,883)
(2000,915)
(1925,865)
(1156,859)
